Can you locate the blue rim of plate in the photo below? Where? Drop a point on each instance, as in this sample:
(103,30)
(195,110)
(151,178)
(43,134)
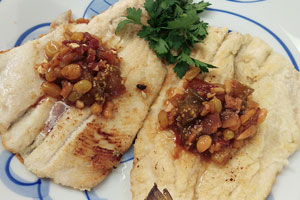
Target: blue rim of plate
(24,35)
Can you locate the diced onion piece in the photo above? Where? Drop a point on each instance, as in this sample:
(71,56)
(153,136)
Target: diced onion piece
(233,103)
(64,51)
(77,36)
(249,132)
(82,21)
(252,105)
(217,90)
(228,86)
(42,68)
(51,48)
(248,114)
(222,157)
(191,138)
(192,73)
(215,147)
(236,126)
(217,104)
(66,89)
(108,110)
(57,72)
(54,62)
(262,114)
(238,144)
(79,104)
(207,108)
(231,120)
(50,75)
(96,108)
(210,95)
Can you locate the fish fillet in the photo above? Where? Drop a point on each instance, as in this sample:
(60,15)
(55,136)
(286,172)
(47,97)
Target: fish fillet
(74,147)
(253,169)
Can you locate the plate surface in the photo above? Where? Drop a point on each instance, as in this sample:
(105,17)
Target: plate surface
(274,21)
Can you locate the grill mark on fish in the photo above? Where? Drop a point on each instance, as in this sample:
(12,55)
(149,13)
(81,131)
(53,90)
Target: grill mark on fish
(113,137)
(106,135)
(89,146)
(58,129)
(70,135)
(104,158)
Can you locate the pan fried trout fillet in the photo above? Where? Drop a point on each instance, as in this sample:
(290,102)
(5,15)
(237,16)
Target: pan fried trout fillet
(66,144)
(253,169)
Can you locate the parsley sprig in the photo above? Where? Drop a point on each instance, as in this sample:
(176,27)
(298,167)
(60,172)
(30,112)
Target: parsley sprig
(172,31)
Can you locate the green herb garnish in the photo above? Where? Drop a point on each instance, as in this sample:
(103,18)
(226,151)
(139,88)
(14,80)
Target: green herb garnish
(174,28)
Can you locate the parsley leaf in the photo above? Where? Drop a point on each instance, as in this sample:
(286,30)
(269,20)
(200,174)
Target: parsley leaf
(172,31)
(201,6)
(133,17)
(160,46)
(203,66)
(184,21)
(122,24)
(149,6)
(134,14)
(174,40)
(181,68)
(147,32)
(186,59)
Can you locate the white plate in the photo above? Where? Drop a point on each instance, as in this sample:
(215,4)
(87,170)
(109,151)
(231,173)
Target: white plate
(275,21)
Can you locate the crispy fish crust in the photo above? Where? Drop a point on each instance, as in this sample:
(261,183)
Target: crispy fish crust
(253,169)
(81,149)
